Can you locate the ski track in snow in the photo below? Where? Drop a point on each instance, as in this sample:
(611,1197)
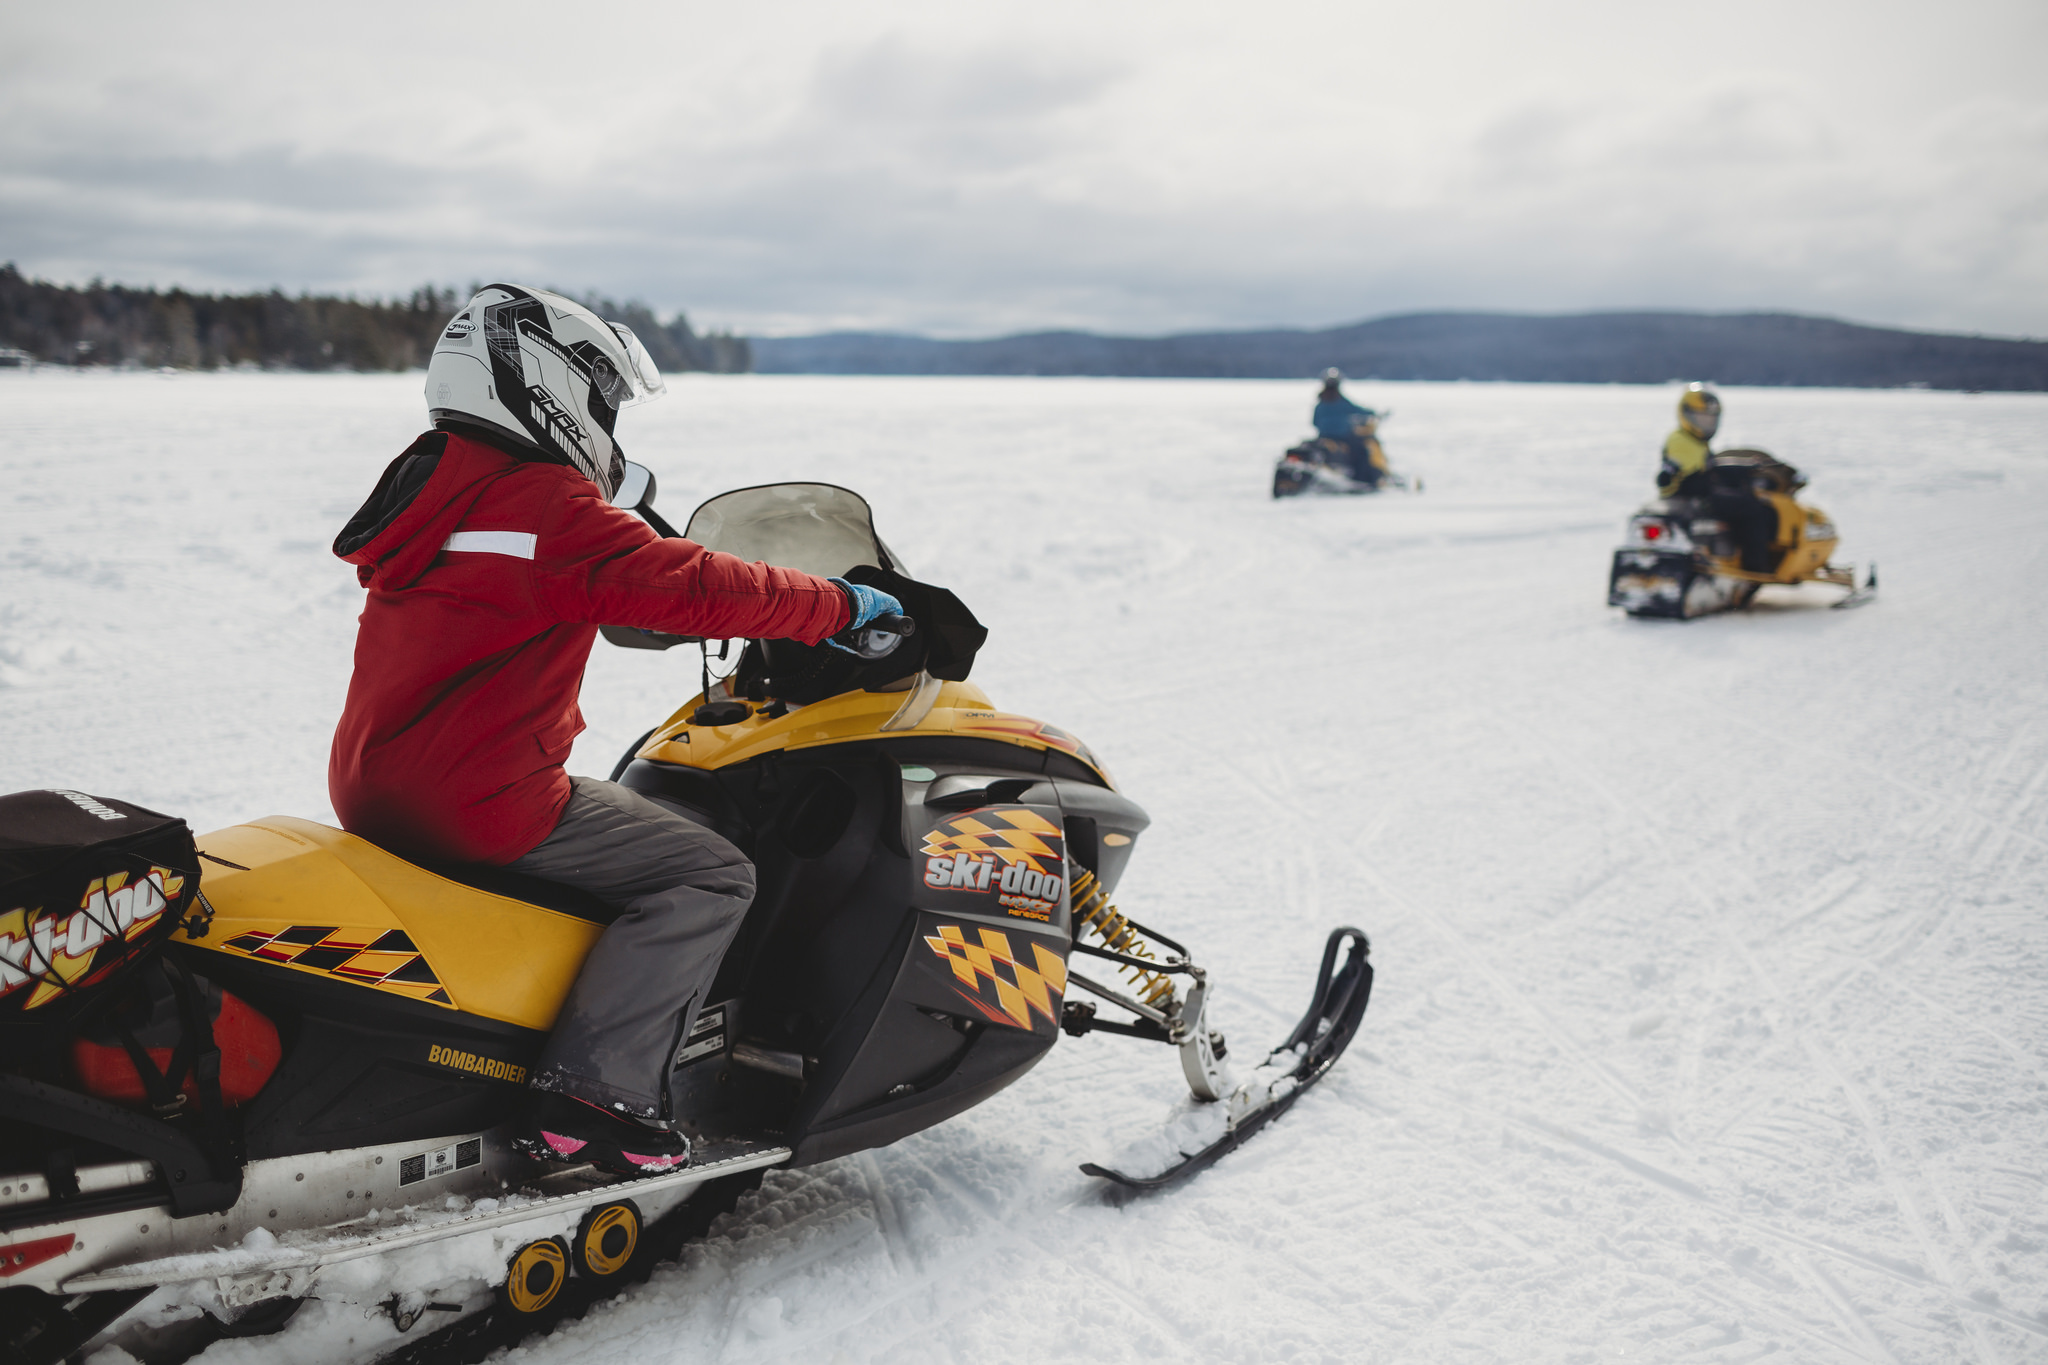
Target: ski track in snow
(1712,1017)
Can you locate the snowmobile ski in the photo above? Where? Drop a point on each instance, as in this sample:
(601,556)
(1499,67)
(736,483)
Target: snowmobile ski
(1858,596)
(1333,1017)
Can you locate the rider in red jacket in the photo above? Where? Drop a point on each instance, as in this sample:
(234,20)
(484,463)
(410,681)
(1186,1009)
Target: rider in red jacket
(492,554)
(489,575)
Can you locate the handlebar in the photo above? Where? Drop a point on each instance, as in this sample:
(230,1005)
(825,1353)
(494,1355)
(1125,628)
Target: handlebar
(879,638)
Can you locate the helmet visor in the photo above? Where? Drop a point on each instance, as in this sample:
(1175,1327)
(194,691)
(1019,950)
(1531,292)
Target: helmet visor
(641,382)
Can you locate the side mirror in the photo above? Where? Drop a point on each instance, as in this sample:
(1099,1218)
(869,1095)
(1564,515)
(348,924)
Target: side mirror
(636,489)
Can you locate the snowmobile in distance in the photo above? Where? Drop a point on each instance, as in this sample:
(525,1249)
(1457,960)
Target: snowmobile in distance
(279,1061)
(1681,561)
(1325,466)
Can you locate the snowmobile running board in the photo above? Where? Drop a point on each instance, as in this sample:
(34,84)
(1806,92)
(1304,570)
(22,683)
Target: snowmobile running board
(1342,993)
(305,1252)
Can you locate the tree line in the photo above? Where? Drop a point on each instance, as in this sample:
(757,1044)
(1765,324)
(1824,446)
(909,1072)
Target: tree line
(113,324)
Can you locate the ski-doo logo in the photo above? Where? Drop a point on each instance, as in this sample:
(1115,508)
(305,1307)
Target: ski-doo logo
(1021,990)
(1011,851)
(57,952)
(490,1068)
(961,872)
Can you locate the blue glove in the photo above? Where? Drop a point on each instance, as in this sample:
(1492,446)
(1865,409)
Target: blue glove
(867,603)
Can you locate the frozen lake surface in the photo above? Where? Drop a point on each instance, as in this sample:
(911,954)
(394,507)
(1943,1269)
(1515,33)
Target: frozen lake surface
(1712,1017)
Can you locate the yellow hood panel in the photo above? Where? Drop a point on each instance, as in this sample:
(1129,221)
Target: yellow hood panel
(960,709)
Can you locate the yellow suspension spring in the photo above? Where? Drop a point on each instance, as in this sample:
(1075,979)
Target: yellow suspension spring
(1092,910)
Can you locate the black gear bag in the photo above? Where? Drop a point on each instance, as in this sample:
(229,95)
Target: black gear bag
(90,890)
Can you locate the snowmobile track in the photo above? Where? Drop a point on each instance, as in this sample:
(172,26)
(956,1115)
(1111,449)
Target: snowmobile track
(475,1337)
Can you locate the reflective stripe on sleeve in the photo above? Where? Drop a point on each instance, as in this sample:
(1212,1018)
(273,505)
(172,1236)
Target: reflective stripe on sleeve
(518,544)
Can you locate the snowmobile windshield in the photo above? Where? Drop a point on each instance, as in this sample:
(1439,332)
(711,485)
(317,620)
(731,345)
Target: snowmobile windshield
(817,527)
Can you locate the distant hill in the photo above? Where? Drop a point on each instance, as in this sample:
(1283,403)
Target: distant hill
(1582,348)
(112,324)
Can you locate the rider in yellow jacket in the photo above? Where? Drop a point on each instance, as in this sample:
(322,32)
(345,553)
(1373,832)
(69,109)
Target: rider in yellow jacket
(1683,474)
(1685,450)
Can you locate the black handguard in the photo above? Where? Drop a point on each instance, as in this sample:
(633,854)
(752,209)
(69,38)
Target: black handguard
(879,638)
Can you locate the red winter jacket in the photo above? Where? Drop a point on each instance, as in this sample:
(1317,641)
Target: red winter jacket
(488,579)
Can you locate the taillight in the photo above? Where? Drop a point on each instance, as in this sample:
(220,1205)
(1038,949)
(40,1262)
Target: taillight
(1652,531)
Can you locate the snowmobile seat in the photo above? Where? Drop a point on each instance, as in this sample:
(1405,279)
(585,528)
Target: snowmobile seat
(303,897)
(500,881)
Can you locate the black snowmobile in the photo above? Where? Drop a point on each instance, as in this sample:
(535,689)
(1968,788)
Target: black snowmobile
(238,1064)
(1328,467)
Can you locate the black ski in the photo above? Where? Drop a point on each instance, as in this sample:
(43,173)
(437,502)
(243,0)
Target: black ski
(1333,1017)
(1192,1162)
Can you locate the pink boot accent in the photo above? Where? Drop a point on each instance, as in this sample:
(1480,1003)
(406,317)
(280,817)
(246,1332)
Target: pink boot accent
(654,1163)
(564,1146)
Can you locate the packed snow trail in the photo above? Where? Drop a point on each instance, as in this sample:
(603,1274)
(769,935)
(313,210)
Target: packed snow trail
(1712,1012)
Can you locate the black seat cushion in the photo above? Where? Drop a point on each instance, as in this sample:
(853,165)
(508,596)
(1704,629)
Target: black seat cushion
(518,886)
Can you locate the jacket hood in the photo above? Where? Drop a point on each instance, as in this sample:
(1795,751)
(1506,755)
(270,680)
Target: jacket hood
(420,499)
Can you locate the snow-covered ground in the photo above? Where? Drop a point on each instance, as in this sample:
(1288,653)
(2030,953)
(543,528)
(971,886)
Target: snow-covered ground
(1712,1021)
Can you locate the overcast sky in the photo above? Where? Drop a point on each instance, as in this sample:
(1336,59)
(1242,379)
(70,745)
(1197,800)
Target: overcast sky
(1123,165)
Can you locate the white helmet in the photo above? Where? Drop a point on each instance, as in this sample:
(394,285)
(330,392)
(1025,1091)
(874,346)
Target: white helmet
(545,372)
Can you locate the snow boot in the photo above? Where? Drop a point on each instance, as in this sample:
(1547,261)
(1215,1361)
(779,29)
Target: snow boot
(559,1128)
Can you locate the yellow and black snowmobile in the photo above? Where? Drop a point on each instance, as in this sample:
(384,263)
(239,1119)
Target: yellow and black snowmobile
(280,1061)
(1680,560)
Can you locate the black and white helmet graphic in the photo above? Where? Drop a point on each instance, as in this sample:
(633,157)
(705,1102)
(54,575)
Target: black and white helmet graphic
(545,372)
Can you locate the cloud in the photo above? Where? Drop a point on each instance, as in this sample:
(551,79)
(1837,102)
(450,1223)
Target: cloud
(1133,167)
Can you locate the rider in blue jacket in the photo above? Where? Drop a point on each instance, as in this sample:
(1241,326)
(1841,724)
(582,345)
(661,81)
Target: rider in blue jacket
(1339,419)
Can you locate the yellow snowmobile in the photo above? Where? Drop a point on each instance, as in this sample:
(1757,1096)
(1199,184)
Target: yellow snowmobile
(1681,561)
(300,1079)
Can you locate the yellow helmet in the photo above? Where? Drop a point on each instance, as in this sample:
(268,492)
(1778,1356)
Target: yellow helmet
(1699,411)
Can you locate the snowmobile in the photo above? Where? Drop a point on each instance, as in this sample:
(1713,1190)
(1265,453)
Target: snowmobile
(1681,561)
(1326,466)
(278,1061)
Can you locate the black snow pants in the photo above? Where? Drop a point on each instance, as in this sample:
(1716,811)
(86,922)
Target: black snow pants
(681,892)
